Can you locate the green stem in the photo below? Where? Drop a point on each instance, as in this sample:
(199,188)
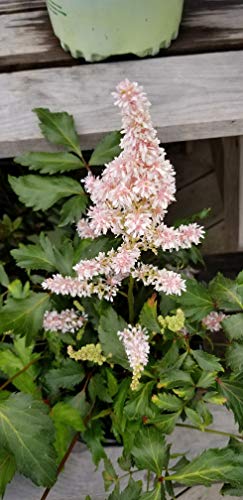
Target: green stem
(130,298)
(10,380)
(211,431)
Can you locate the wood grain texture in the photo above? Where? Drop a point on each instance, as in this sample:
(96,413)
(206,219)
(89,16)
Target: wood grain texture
(27,41)
(231,172)
(193,97)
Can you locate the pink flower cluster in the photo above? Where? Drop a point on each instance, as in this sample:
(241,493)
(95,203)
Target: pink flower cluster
(213,321)
(65,321)
(135,341)
(130,199)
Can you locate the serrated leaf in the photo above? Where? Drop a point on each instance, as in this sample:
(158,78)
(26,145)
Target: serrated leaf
(139,404)
(206,361)
(110,323)
(107,149)
(66,376)
(41,193)
(50,163)
(227,294)
(206,379)
(72,209)
(167,402)
(67,420)
(109,474)
(14,359)
(58,128)
(27,432)
(175,378)
(232,390)
(212,466)
(45,255)
(165,423)
(233,326)
(154,494)
(234,357)
(214,398)
(196,300)
(4,281)
(24,316)
(7,469)
(93,437)
(193,417)
(148,316)
(235,491)
(88,248)
(131,492)
(150,450)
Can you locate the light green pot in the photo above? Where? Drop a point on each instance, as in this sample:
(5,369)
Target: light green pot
(96,29)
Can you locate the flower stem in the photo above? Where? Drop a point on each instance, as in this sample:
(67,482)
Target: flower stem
(212,431)
(24,369)
(130,298)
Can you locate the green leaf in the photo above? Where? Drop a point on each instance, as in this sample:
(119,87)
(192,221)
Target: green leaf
(45,255)
(72,209)
(66,420)
(167,402)
(227,294)
(235,491)
(109,474)
(234,357)
(107,149)
(196,300)
(7,469)
(150,451)
(165,423)
(232,390)
(214,398)
(88,248)
(14,359)
(175,378)
(148,316)
(66,376)
(4,281)
(41,193)
(27,432)
(139,404)
(131,492)
(194,417)
(233,326)
(212,466)
(50,163)
(58,128)
(154,494)
(24,316)
(110,324)
(93,437)
(206,361)
(206,379)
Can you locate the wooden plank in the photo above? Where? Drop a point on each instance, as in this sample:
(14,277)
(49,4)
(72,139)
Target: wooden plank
(203,193)
(215,239)
(202,493)
(210,25)
(231,172)
(193,97)
(190,165)
(240,192)
(27,41)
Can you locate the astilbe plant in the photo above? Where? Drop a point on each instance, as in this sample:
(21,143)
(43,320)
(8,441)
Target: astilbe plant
(123,343)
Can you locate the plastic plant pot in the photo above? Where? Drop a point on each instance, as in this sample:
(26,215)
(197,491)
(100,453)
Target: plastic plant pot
(97,29)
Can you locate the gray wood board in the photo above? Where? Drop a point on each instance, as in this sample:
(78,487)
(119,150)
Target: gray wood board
(193,97)
(79,477)
(27,40)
